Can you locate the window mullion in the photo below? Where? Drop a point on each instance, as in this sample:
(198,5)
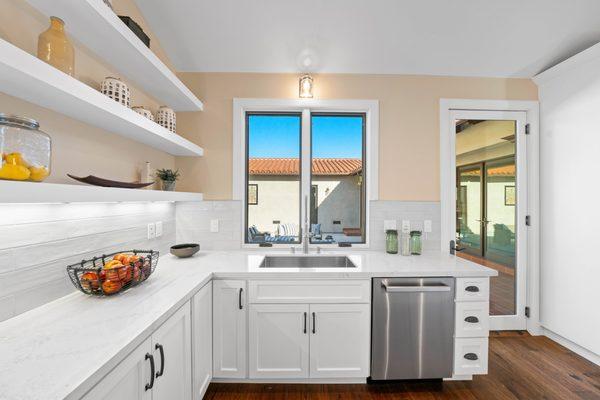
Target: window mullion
(305,170)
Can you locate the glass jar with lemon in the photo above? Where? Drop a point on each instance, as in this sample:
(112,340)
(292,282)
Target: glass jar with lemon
(25,149)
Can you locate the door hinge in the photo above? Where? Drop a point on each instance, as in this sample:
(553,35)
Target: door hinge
(527,129)
(527,312)
(528,220)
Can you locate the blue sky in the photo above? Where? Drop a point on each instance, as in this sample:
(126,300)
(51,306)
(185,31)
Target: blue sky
(279,136)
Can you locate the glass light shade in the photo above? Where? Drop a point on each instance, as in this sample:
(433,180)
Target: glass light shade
(306,87)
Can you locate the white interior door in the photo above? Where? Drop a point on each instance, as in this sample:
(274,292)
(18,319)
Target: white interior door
(278,341)
(488,179)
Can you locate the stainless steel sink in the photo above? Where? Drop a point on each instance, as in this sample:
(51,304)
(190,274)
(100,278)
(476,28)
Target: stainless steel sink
(307,262)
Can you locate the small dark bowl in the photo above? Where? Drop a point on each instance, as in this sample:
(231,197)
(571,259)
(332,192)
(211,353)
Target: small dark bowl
(185,250)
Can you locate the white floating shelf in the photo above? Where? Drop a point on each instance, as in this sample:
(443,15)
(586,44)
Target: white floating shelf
(33,192)
(26,77)
(97,27)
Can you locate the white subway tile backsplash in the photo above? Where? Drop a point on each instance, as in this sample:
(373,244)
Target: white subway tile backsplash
(415,212)
(193,224)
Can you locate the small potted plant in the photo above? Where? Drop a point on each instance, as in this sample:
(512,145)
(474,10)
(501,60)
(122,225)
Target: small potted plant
(168,178)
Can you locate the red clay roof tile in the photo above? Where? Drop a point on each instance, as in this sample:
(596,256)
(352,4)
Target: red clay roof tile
(290,166)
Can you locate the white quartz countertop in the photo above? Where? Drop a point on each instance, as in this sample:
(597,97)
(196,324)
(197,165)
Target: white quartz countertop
(62,349)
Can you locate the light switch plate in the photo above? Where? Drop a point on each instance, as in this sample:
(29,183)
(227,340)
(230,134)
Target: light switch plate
(427,226)
(151,231)
(405,226)
(214,225)
(159,229)
(389,224)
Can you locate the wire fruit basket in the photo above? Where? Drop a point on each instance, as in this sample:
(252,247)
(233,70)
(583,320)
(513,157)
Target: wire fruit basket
(113,273)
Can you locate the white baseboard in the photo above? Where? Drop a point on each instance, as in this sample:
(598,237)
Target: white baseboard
(574,347)
(534,327)
(304,380)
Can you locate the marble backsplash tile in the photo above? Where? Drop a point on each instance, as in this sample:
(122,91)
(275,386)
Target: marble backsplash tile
(40,240)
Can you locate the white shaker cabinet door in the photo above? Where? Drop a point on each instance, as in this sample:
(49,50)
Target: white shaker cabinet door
(229,329)
(339,340)
(174,363)
(278,340)
(130,380)
(202,341)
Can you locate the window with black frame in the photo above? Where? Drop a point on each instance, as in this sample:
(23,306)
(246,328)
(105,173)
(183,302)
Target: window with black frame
(335,198)
(273,152)
(338,194)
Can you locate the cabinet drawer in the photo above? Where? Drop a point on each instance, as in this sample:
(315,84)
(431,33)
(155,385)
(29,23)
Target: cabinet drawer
(340,291)
(472,319)
(470,356)
(472,289)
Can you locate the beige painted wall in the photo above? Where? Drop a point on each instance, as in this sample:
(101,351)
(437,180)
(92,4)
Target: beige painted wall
(79,148)
(409,122)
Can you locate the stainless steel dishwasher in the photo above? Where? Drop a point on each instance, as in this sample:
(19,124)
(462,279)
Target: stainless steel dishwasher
(412,328)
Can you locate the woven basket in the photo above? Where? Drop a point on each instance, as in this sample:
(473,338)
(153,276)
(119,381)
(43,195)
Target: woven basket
(116,90)
(165,117)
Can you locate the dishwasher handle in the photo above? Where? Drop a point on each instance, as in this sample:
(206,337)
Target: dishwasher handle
(415,289)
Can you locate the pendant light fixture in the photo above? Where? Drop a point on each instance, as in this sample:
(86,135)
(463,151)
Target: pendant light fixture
(306,87)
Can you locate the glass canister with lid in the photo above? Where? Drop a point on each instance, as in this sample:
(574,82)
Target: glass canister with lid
(415,242)
(391,241)
(26,150)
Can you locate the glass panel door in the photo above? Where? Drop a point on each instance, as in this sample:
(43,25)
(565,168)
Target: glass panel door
(490,199)
(468,208)
(500,239)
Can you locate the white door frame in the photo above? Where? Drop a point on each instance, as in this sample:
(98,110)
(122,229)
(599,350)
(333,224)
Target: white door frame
(447,192)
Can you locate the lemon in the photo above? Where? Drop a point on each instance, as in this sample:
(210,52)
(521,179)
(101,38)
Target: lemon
(16,159)
(38,174)
(14,172)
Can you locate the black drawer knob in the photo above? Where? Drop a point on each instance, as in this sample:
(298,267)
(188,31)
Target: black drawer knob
(471,356)
(473,289)
(472,319)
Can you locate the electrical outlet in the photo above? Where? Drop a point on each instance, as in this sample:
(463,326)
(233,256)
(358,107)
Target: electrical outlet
(389,224)
(214,225)
(151,231)
(159,229)
(427,226)
(405,226)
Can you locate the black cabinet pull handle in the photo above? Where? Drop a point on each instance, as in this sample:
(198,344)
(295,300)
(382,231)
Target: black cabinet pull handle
(304,329)
(151,384)
(473,289)
(159,347)
(314,330)
(472,320)
(471,356)
(240,298)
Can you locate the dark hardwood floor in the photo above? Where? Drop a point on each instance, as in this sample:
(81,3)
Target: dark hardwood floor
(520,367)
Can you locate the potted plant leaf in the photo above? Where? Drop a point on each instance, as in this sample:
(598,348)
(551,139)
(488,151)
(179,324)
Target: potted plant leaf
(168,178)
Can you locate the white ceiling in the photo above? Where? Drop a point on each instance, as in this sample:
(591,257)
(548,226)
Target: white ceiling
(495,38)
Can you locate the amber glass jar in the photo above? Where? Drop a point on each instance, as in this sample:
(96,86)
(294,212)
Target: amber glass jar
(55,48)
(26,150)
